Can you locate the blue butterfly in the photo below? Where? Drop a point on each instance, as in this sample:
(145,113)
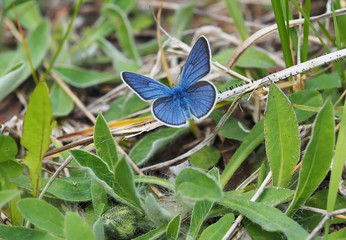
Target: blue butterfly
(191,99)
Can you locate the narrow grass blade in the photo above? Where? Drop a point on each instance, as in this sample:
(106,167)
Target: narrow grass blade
(235,12)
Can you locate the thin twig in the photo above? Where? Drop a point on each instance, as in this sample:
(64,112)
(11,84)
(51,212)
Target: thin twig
(324,220)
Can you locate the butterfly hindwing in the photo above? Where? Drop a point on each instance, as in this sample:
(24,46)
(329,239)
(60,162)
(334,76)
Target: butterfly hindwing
(197,64)
(201,98)
(146,88)
(169,112)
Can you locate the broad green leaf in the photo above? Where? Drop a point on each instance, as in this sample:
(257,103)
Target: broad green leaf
(7,195)
(317,157)
(324,81)
(250,59)
(251,141)
(29,14)
(153,142)
(23,233)
(126,5)
(36,132)
(8,148)
(205,158)
(124,177)
(104,143)
(232,129)
(120,62)
(282,137)
(124,106)
(99,198)
(182,18)
(123,30)
(62,104)
(76,228)
(339,235)
(102,28)
(217,230)
(196,185)
(256,232)
(200,212)
(82,78)
(38,44)
(270,196)
(338,162)
(8,78)
(269,218)
(43,215)
(154,234)
(69,189)
(309,98)
(4,56)
(173,228)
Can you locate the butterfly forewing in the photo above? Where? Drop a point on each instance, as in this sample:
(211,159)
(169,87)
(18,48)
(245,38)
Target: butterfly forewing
(146,88)
(168,112)
(201,98)
(197,64)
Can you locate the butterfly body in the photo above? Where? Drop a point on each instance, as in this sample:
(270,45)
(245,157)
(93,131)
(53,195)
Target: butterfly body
(191,99)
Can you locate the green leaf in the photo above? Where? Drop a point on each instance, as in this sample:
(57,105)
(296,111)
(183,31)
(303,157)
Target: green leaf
(10,77)
(205,158)
(232,129)
(196,185)
(339,235)
(120,62)
(324,81)
(269,218)
(69,189)
(317,157)
(43,215)
(182,17)
(217,230)
(7,195)
(154,234)
(76,228)
(23,233)
(124,178)
(38,44)
(8,148)
(104,142)
(256,232)
(310,98)
(270,196)
(250,59)
(199,215)
(236,13)
(124,106)
(154,180)
(173,228)
(123,30)
(29,14)
(282,137)
(152,142)
(36,132)
(99,198)
(82,78)
(62,104)
(251,141)
(338,162)
(4,56)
